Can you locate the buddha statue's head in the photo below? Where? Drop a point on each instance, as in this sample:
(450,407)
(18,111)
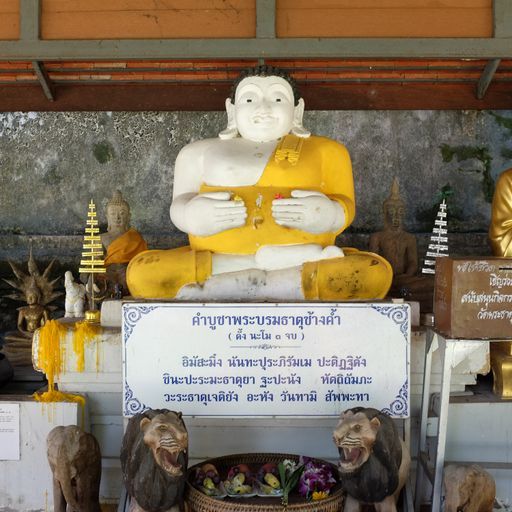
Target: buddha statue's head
(394,208)
(118,213)
(32,294)
(265,105)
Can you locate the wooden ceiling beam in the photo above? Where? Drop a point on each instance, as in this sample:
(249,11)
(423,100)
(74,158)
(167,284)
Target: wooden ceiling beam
(265,46)
(210,97)
(265,19)
(486,78)
(385,92)
(502,18)
(30,20)
(44,80)
(252,48)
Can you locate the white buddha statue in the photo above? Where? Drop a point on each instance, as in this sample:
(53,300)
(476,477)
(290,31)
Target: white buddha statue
(262,205)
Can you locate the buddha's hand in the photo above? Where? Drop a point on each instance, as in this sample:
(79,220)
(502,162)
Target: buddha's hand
(213,212)
(309,211)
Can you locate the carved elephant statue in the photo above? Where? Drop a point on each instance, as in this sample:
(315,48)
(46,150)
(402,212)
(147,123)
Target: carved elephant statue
(75,460)
(468,489)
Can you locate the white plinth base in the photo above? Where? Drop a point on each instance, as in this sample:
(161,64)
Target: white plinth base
(102,384)
(26,484)
(111,313)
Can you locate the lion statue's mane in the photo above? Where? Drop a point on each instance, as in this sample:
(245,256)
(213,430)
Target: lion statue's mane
(378,477)
(152,488)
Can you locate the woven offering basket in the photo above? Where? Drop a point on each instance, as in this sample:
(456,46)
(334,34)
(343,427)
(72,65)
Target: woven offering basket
(200,502)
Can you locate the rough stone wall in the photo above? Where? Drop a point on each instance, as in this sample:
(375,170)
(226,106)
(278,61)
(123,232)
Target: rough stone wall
(52,164)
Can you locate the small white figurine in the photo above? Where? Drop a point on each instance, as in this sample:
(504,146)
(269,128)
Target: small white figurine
(75,297)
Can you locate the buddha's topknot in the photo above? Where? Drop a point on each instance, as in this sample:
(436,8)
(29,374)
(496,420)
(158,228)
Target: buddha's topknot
(117,199)
(266,70)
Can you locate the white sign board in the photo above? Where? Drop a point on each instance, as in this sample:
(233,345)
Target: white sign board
(9,431)
(266,359)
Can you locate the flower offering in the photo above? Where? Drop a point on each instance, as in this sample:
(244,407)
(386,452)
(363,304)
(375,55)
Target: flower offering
(316,480)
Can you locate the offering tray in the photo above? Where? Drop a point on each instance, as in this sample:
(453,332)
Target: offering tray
(200,502)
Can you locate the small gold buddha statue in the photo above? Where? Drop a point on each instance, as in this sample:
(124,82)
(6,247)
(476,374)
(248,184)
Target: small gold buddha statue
(33,315)
(37,290)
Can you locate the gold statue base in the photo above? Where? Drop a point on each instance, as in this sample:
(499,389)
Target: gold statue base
(93,316)
(501,364)
(502,347)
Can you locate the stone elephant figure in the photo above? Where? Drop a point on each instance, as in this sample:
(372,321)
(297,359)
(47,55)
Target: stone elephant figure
(468,489)
(75,460)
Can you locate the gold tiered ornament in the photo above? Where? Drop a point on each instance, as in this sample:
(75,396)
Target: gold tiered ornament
(92,261)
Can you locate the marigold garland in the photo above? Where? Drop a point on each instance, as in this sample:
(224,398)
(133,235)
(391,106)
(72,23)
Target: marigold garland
(51,354)
(84,332)
(50,351)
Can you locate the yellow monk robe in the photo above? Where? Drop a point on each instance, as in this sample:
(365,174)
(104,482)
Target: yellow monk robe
(500,232)
(323,166)
(125,247)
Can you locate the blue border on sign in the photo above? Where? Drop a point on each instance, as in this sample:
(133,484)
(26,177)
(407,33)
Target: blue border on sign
(133,313)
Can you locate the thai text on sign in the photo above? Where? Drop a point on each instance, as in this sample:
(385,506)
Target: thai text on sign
(255,360)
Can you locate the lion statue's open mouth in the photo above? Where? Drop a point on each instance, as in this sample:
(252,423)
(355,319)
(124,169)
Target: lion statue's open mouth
(351,458)
(170,460)
(354,436)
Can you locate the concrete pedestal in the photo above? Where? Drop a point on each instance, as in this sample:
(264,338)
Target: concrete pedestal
(26,484)
(101,383)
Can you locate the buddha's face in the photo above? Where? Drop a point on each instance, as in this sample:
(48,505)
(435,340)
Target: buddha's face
(32,298)
(264,108)
(393,214)
(118,217)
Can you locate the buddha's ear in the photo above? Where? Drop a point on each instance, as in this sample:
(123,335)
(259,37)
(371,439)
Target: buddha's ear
(231,131)
(297,128)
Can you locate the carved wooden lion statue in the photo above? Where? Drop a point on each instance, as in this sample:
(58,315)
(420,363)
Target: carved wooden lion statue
(374,462)
(154,459)
(468,489)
